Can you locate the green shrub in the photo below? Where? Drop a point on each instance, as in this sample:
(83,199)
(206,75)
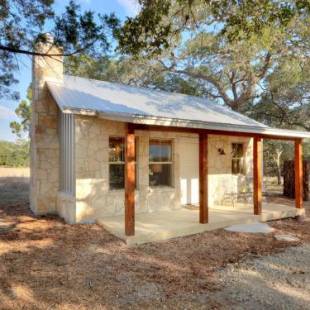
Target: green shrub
(14,154)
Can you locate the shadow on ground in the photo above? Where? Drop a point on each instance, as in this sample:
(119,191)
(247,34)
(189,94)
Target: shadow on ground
(45,263)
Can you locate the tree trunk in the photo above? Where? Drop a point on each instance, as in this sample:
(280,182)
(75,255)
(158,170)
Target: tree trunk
(278,163)
(289,179)
(279,175)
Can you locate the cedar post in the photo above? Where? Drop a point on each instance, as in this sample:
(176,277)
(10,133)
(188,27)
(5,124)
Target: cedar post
(257,175)
(203,178)
(130,181)
(298,174)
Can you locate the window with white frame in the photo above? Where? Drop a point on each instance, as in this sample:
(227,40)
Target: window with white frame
(237,164)
(160,163)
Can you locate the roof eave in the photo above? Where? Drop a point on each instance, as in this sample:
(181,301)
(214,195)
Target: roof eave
(169,122)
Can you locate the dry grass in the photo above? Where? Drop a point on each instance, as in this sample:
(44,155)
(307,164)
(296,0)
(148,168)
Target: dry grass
(6,172)
(45,263)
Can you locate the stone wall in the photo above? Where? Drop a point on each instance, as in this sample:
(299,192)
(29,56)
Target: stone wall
(66,207)
(221,181)
(93,196)
(44,159)
(94,199)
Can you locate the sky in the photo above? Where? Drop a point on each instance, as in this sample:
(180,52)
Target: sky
(122,8)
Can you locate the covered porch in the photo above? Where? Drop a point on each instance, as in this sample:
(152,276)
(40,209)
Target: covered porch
(139,228)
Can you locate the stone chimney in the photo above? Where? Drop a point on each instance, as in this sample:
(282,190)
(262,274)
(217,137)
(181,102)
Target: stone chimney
(44,147)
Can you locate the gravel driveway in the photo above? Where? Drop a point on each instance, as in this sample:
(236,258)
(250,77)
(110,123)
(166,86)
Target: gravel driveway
(279,281)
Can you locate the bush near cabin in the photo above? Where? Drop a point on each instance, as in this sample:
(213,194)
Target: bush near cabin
(14,154)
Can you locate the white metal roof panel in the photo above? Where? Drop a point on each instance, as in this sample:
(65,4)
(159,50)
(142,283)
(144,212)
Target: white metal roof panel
(142,105)
(106,97)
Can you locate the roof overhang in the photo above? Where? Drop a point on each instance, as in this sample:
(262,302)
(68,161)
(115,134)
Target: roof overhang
(194,126)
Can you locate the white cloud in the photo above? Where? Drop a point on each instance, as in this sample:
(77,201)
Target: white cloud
(131,6)
(6,113)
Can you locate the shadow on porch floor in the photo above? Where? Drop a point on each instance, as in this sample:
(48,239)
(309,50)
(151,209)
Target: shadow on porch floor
(164,225)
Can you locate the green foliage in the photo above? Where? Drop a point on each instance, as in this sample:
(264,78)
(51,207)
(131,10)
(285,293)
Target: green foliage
(286,99)
(229,46)
(159,20)
(275,153)
(14,154)
(79,32)
(23,24)
(132,71)
(23,111)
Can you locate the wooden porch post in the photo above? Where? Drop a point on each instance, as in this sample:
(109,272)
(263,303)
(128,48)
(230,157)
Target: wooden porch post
(130,181)
(298,174)
(203,178)
(257,175)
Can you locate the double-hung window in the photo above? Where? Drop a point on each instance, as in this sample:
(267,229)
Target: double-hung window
(160,163)
(116,162)
(237,163)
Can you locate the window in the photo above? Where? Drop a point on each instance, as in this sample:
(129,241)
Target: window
(160,163)
(237,164)
(117,162)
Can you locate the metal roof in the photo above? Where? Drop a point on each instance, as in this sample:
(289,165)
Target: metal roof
(144,106)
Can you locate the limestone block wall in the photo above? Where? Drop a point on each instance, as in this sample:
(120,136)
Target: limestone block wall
(93,196)
(94,199)
(44,159)
(44,155)
(66,207)
(221,181)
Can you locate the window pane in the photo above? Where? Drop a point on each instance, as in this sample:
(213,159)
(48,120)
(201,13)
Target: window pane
(236,166)
(237,150)
(116,149)
(160,151)
(116,176)
(166,152)
(160,174)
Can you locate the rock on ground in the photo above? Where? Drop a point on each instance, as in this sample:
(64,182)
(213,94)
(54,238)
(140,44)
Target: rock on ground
(254,228)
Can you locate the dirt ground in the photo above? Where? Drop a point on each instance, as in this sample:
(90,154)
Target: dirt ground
(277,281)
(47,264)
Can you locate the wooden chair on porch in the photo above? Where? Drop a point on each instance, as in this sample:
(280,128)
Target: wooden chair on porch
(234,198)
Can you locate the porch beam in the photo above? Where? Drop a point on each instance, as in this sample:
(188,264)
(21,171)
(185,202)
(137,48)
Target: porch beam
(298,174)
(257,175)
(203,178)
(130,181)
(209,131)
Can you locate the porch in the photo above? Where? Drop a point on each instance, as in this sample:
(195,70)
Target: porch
(141,228)
(165,225)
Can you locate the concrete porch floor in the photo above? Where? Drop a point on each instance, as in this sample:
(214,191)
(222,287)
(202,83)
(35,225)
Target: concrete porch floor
(165,225)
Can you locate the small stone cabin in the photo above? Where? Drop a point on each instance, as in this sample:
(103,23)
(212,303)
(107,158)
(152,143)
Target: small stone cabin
(100,149)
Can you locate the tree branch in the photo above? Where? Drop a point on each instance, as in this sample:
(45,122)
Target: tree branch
(265,67)
(34,53)
(209,79)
